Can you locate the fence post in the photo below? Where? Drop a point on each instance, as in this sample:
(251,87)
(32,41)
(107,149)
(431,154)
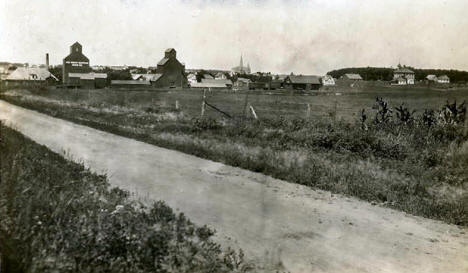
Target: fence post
(253,112)
(308,110)
(177,105)
(203,103)
(336,111)
(465,130)
(246,101)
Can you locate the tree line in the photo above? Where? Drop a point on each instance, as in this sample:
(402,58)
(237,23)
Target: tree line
(386,74)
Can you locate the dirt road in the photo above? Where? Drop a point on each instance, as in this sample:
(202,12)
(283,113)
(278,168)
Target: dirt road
(284,226)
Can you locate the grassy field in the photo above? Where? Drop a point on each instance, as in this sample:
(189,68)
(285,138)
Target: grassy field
(56,216)
(419,165)
(323,105)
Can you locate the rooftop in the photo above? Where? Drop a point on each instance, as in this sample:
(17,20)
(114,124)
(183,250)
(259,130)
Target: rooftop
(304,79)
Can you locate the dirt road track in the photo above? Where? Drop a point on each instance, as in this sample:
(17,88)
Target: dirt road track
(285,226)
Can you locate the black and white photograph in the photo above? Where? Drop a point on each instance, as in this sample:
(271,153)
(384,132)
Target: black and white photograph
(216,136)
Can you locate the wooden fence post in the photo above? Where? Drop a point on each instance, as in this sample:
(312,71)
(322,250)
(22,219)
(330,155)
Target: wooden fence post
(246,102)
(253,112)
(177,105)
(203,103)
(465,130)
(308,110)
(336,111)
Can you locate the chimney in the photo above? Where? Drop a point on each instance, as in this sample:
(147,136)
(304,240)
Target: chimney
(47,60)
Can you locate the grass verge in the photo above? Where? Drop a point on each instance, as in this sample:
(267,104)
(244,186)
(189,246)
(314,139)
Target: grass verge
(57,216)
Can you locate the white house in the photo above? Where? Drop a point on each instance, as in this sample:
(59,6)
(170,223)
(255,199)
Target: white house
(403,73)
(192,77)
(328,80)
(431,78)
(443,79)
(220,76)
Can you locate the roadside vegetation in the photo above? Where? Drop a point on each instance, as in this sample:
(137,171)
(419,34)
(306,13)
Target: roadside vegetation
(389,153)
(57,216)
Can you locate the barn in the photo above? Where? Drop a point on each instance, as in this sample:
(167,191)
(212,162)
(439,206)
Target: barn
(303,82)
(29,76)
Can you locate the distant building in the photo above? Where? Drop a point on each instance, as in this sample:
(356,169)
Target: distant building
(241,84)
(303,82)
(75,62)
(351,76)
(220,76)
(328,80)
(153,78)
(130,84)
(401,74)
(432,78)
(191,78)
(212,83)
(87,80)
(443,79)
(241,69)
(261,82)
(118,67)
(208,76)
(29,76)
(170,72)
(400,80)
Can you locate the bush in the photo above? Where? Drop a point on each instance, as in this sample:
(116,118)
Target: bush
(204,124)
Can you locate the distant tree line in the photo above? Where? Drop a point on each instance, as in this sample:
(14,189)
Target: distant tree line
(386,74)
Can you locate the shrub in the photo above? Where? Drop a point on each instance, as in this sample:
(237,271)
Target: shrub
(204,124)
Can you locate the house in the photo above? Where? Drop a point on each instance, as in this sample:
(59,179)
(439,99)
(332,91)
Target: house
(212,83)
(261,82)
(220,76)
(30,76)
(431,77)
(301,82)
(328,80)
(400,80)
(351,76)
(443,79)
(276,84)
(171,73)
(146,77)
(403,73)
(242,84)
(191,78)
(87,80)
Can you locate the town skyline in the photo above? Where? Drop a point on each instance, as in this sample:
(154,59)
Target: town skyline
(290,36)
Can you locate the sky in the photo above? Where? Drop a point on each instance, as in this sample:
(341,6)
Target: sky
(279,36)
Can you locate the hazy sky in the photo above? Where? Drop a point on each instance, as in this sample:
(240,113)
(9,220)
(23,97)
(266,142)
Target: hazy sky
(309,37)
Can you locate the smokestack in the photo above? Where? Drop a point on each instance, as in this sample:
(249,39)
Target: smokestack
(47,60)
